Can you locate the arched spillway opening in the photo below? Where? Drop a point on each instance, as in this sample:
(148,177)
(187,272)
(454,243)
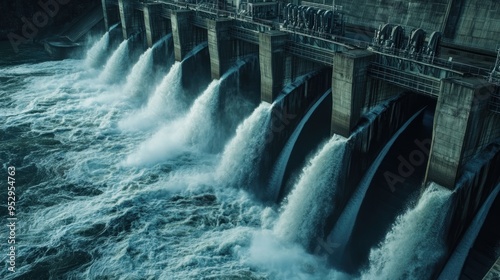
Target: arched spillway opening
(393,180)
(310,131)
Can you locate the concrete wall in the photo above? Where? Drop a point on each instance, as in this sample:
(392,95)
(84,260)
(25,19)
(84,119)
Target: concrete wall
(271,59)
(348,89)
(470,23)
(378,91)
(156,26)
(220,46)
(460,112)
(181,30)
(132,20)
(111,13)
(479,25)
(429,15)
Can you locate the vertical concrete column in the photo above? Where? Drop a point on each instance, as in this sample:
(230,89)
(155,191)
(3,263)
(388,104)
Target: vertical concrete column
(131,22)
(153,23)
(125,16)
(110,12)
(182,31)
(457,127)
(271,58)
(219,46)
(349,79)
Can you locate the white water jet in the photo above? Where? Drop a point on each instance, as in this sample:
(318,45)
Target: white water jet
(311,200)
(162,40)
(178,137)
(96,53)
(166,101)
(416,241)
(117,64)
(138,81)
(195,50)
(238,165)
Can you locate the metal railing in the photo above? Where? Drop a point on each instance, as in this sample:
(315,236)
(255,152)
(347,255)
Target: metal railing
(200,22)
(243,34)
(309,52)
(452,66)
(422,84)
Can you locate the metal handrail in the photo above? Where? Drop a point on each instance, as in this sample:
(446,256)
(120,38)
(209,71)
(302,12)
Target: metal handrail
(310,52)
(457,67)
(244,34)
(419,83)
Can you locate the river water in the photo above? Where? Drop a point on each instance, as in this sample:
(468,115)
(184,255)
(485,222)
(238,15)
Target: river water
(111,186)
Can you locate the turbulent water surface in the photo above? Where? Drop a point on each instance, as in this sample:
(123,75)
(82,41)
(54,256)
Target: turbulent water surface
(108,188)
(90,208)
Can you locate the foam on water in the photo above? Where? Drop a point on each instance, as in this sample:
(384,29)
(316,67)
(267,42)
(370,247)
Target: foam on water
(195,131)
(85,216)
(416,241)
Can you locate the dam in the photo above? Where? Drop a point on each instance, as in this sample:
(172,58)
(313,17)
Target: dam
(265,140)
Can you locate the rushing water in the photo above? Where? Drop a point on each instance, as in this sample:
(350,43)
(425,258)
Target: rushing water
(130,190)
(311,200)
(83,213)
(117,64)
(416,241)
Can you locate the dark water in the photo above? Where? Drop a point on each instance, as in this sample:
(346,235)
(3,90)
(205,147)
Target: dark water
(104,195)
(119,182)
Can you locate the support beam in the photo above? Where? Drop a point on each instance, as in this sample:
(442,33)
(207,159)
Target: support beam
(349,79)
(459,114)
(182,33)
(271,58)
(219,46)
(154,23)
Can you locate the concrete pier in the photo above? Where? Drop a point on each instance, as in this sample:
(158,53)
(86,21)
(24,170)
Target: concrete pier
(349,79)
(111,13)
(271,59)
(181,32)
(156,26)
(460,108)
(220,46)
(131,19)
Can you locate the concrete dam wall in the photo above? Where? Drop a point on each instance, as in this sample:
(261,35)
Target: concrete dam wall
(466,23)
